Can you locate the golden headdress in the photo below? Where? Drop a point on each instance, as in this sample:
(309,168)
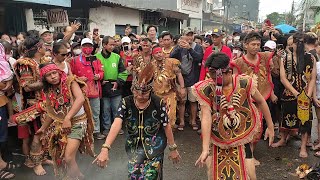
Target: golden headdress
(144,79)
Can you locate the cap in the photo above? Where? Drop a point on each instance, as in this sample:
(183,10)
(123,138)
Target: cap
(116,36)
(42,31)
(187,30)
(75,44)
(270,44)
(217,32)
(208,33)
(86,41)
(125,39)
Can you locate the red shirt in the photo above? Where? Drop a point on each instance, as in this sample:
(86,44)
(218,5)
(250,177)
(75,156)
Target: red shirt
(207,53)
(127,61)
(81,67)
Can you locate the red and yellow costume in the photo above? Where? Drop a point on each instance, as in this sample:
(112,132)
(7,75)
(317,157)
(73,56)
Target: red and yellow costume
(29,119)
(58,103)
(261,70)
(235,121)
(164,84)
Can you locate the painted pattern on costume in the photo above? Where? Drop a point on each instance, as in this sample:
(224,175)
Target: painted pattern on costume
(235,126)
(164,85)
(146,139)
(291,105)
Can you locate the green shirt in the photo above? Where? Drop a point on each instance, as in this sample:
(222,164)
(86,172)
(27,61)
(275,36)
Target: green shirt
(113,67)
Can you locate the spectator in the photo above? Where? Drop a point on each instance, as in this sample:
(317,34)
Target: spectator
(60,54)
(6,37)
(115,76)
(89,70)
(135,44)
(216,47)
(167,39)
(190,55)
(76,49)
(310,40)
(126,55)
(47,38)
(21,37)
(270,46)
(152,33)
(198,39)
(127,30)
(69,32)
(117,40)
(206,43)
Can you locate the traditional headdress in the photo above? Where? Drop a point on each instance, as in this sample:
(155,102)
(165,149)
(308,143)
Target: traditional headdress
(219,84)
(144,79)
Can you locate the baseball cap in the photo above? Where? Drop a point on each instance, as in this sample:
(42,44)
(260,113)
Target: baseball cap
(86,41)
(217,32)
(42,31)
(125,39)
(270,44)
(116,37)
(208,33)
(187,30)
(75,44)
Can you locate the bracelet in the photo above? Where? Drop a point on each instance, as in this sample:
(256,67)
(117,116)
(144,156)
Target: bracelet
(106,146)
(173,147)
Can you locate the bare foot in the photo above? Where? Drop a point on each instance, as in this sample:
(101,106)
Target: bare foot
(278,144)
(39,170)
(256,162)
(47,162)
(303,153)
(29,163)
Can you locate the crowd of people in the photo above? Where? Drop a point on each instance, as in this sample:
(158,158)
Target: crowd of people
(65,90)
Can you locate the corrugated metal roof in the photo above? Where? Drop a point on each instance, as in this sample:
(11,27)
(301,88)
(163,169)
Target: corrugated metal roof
(107,2)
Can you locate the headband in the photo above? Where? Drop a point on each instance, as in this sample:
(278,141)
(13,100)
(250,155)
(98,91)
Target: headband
(156,50)
(48,68)
(223,70)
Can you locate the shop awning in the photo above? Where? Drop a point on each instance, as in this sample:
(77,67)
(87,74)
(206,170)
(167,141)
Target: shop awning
(173,14)
(62,3)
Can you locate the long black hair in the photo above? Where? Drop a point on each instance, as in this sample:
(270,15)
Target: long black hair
(298,38)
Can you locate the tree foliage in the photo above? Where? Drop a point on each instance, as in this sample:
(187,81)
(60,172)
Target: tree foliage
(276,18)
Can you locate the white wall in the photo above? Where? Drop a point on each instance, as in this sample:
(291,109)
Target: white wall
(105,18)
(194,9)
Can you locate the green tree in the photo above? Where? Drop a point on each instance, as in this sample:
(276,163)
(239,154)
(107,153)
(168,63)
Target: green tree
(276,18)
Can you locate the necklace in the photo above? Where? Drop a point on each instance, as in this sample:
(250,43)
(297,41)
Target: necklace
(167,52)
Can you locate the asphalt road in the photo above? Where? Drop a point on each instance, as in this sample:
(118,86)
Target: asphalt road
(276,163)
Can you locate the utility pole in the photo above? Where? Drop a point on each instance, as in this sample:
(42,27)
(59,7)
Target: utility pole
(304,14)
(226,6)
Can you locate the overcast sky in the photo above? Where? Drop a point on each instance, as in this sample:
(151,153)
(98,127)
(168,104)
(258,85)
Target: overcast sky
(270,6)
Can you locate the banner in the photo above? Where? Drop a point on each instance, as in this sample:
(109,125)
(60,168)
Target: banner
(57,17)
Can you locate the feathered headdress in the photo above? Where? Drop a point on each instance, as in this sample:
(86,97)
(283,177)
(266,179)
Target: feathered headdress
(144,79)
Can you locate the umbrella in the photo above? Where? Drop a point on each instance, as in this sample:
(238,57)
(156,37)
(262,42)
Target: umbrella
(285,28)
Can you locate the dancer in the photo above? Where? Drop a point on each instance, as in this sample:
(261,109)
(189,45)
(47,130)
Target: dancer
(231,120)
(148,131)
(70,117)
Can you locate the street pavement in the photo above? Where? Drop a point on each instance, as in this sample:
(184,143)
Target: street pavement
(276,163)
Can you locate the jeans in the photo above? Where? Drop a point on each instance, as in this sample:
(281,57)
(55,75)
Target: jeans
(110,105)
(95,108)
(3,124)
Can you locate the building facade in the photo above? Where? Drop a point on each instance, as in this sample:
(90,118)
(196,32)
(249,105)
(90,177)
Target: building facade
(244,9)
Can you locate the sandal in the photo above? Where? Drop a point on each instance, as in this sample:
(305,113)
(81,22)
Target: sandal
(195,127)
(11,166)
(6,175)
(180,127)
